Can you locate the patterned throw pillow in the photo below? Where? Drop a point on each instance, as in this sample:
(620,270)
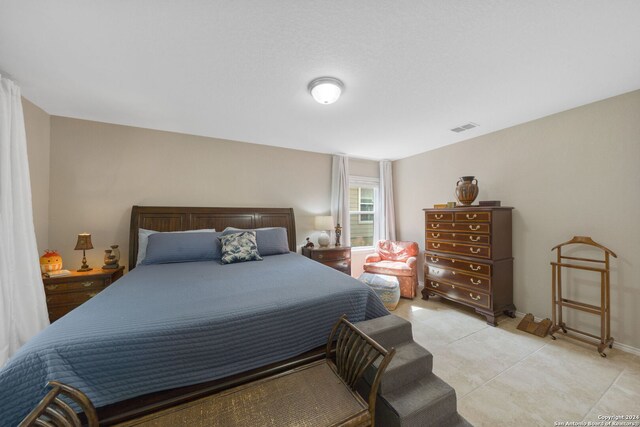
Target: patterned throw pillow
(239,247)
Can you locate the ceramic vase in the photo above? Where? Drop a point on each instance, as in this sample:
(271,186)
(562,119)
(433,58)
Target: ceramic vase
(467,190)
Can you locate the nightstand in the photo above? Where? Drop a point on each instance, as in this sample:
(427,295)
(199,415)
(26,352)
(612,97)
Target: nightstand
(67,292)
(335,257)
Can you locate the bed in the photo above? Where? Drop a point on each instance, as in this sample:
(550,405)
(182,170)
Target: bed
(171,326)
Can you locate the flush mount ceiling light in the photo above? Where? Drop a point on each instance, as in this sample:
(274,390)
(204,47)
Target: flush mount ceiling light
(326,90)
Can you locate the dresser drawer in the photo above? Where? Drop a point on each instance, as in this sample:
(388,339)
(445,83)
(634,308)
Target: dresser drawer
(71,298)
(444,216)
(460,248)
(331,255)
(459,293)
(58,311)
(469,280)
(458,264)
(74,286)
(473,217)
(459,228)
(482,239)
(344,265)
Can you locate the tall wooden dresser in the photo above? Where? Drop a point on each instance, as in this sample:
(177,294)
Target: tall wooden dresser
(468,258)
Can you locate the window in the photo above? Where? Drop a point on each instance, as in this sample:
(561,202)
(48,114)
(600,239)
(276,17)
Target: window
(363,208)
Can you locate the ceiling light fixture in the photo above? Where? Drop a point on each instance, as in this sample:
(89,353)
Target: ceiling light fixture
(326,90)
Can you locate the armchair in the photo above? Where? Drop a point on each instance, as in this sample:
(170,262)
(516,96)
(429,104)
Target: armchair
(396,258)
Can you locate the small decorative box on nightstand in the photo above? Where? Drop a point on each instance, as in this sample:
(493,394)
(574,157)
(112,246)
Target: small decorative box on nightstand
(68,292)
(338,257)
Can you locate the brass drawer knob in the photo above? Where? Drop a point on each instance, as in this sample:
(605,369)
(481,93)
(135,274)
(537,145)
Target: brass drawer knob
(436,245)
(435,225)
(474,238)
(474,268)
(474,228)
(474,216)
(477,251)
(474,282)
(438,216)
(435,235)
(474,298)
(435,285)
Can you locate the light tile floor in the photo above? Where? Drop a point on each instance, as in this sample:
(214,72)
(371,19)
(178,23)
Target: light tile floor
(506,377)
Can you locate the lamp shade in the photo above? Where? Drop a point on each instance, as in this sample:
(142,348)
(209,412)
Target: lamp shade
(324,223)
(84,242)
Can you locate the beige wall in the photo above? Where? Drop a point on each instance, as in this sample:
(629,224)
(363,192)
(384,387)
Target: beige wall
(572,173)
(99,170)
(37,126)
(363,167)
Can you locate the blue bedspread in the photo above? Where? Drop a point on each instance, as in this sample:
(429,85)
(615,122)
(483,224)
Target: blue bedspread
(172,325)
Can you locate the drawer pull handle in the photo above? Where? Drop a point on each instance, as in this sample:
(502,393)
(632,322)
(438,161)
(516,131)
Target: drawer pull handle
(474,298)
(320,256)
(453,286)
(474,282)
(92,294)
(435,225)
(477,251)
(436,259)
(436,245)
(474,216)
(453,272)
(52,287)
(474,238)
(439,216)
(435,235)
(474,268)
(87,284)
(474,228)
(435,285)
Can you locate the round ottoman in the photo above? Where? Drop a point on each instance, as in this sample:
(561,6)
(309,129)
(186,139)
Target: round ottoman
(386,287)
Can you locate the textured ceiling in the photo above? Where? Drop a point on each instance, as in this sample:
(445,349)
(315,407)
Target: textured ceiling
(239,69)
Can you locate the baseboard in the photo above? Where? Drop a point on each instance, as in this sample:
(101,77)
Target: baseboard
(624,347)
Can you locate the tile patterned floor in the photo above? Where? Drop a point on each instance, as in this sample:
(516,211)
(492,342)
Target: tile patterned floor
(505,377)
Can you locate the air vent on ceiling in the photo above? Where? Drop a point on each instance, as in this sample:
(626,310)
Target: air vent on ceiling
(464,127)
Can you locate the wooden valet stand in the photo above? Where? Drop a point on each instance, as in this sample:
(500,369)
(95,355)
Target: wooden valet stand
(604,310)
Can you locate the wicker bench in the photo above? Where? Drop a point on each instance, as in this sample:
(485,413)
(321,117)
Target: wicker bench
(318,394)
(55,411)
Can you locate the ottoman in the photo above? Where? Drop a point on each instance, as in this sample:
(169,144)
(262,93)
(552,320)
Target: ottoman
(386,287)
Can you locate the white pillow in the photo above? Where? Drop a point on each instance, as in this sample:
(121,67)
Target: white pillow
(143,240)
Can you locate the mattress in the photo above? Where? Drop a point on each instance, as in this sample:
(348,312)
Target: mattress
(172,325)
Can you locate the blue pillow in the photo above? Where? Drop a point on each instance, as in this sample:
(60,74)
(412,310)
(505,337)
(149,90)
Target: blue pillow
(164,248)
(271,240)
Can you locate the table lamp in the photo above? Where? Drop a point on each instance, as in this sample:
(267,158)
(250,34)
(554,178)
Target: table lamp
(84,243)
(323,224)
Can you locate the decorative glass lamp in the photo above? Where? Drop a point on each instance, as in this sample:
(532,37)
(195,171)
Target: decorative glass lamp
(84,243)
(324,224)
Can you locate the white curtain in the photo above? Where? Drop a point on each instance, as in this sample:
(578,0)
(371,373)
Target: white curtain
(23,310)
(340,196)
(387,212)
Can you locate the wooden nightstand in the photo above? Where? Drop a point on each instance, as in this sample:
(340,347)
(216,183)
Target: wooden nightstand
(332,256)
(67,292)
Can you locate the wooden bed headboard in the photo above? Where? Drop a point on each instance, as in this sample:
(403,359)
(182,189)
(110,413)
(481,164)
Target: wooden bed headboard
(161,218)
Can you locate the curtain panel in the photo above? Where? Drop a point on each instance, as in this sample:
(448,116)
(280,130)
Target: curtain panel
(387,211)
(340,196)
(23,310)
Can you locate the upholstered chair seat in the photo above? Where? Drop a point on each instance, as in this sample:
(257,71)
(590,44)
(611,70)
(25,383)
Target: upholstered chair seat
(396,258)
